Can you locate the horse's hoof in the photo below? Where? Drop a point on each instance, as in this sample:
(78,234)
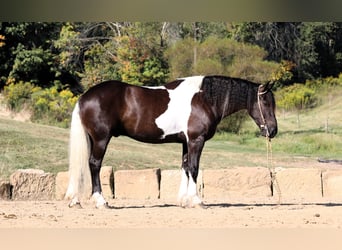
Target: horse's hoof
(102,206)
(187,203)
(200,205)
(75,205)
(183,202)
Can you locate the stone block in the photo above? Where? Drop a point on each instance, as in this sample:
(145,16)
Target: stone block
(298,185)
(62,181)
(332,185)
(32,184)
(107,182)
(241,184)
(5,190)
(170,181)
(137,184)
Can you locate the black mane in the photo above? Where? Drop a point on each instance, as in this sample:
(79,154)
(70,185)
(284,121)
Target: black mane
(228,93)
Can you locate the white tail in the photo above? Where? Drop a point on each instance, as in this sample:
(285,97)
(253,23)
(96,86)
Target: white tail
(79,147)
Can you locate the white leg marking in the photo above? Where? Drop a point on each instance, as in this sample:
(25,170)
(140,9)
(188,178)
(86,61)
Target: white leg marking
(187,195)
(192,187)
(100,201)
(192,193)
(183,188)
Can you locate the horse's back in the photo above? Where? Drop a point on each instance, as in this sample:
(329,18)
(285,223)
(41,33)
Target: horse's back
(103,89)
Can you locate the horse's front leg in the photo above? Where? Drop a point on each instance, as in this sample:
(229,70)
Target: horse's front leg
(95,162)
(190,173)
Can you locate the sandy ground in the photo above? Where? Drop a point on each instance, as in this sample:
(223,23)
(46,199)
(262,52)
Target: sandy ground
(158,214)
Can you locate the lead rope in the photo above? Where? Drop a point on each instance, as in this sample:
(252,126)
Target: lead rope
(274,180)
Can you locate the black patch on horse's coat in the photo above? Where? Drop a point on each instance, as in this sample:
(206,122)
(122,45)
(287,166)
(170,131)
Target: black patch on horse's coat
(174,84)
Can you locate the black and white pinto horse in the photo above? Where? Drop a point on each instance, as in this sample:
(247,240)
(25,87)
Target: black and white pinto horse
(185,111)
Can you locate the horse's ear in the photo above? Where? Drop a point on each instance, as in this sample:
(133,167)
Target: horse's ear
(270,85)
(265,87)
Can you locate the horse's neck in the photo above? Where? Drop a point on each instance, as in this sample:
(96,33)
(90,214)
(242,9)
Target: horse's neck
(238,98)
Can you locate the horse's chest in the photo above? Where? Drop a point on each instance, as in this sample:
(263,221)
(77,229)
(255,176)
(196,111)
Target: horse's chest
(175,118)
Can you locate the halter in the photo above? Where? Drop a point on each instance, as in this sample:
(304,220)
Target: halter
(264,125)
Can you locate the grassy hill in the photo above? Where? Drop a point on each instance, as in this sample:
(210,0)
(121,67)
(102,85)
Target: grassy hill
(29,145)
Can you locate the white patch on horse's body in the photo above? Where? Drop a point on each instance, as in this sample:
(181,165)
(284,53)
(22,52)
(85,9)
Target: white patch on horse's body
(154,87)
(175,118)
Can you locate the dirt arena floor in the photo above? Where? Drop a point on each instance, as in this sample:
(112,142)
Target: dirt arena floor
(158,214)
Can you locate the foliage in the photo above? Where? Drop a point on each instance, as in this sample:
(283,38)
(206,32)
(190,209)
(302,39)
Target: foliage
(233,123)
(47,105)
(27,54)
(53,107)
(314,47)
(69,46)
(219,56)
(32,65)
(99,64)
(18,95)
(180,57)
(137,62)
(2,40)
(283,75)
(324,84)
(296,97)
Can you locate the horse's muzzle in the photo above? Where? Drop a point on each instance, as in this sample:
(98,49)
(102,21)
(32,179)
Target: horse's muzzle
(269,132)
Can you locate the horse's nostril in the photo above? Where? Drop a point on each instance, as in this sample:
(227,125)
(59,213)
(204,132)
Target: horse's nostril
(273,132)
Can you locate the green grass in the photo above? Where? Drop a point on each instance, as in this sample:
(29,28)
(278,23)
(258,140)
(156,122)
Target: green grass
(29,145)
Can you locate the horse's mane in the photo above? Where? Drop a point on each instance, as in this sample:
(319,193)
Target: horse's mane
(227,92)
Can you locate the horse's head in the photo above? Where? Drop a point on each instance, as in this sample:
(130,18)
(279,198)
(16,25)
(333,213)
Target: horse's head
(263,111)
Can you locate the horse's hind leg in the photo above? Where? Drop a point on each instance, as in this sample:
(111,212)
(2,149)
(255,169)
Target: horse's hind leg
(183,188)
(98,149)
(195,147)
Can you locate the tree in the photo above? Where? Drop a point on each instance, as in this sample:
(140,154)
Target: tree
(313,47)
(320,50)
(27,53)
(277,38)
(220,56)
(133,53)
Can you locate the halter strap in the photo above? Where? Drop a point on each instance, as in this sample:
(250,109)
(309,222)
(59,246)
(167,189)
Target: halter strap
(264,125)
